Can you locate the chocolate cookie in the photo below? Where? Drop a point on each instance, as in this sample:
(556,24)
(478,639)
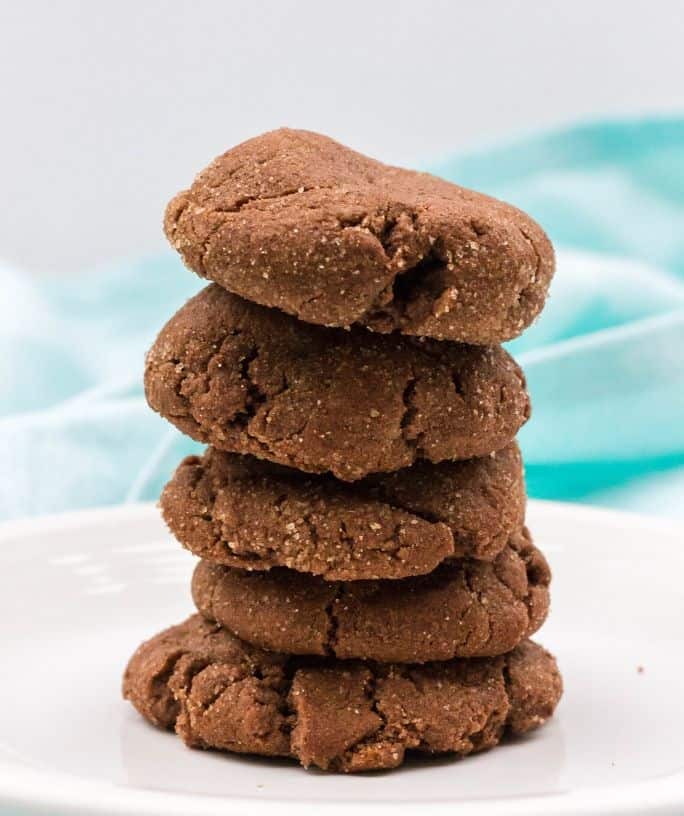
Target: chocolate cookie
(463,609)
(218,692)
(244,512)
(295,220)
(253,380)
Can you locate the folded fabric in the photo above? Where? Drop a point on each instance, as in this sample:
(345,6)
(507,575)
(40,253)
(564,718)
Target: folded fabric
(604,363)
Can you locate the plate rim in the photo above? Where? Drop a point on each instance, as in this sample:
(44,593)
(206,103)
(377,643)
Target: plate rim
(31,791)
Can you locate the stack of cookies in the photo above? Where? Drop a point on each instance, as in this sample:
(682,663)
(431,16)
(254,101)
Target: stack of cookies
(366,583)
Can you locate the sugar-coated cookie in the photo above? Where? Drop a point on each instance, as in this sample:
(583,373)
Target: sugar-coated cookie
(295,220)
(218,692)
(464,608)
(245,512)
(252,380)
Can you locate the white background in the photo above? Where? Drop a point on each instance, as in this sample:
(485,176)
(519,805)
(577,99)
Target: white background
(109,107)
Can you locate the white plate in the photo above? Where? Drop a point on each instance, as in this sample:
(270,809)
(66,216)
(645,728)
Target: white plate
(79,591)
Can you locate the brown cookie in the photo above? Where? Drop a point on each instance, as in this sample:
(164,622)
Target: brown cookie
(295,220)
(244,512)
(253,380)
(218,692)
(465,608)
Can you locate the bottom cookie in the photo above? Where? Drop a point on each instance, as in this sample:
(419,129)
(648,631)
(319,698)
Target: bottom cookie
(218,692)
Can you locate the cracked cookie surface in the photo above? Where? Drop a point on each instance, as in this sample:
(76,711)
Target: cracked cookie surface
(252,380)
(293,219)
(244,512)
(217,692)
(465,608)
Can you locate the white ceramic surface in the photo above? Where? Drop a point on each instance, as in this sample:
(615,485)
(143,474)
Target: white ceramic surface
(78,592)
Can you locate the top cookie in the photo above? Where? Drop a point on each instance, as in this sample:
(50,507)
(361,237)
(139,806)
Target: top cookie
(294,220)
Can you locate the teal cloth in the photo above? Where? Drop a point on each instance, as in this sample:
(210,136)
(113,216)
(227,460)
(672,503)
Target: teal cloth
(605,363)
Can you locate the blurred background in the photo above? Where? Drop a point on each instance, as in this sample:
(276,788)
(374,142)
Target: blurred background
(572,111)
